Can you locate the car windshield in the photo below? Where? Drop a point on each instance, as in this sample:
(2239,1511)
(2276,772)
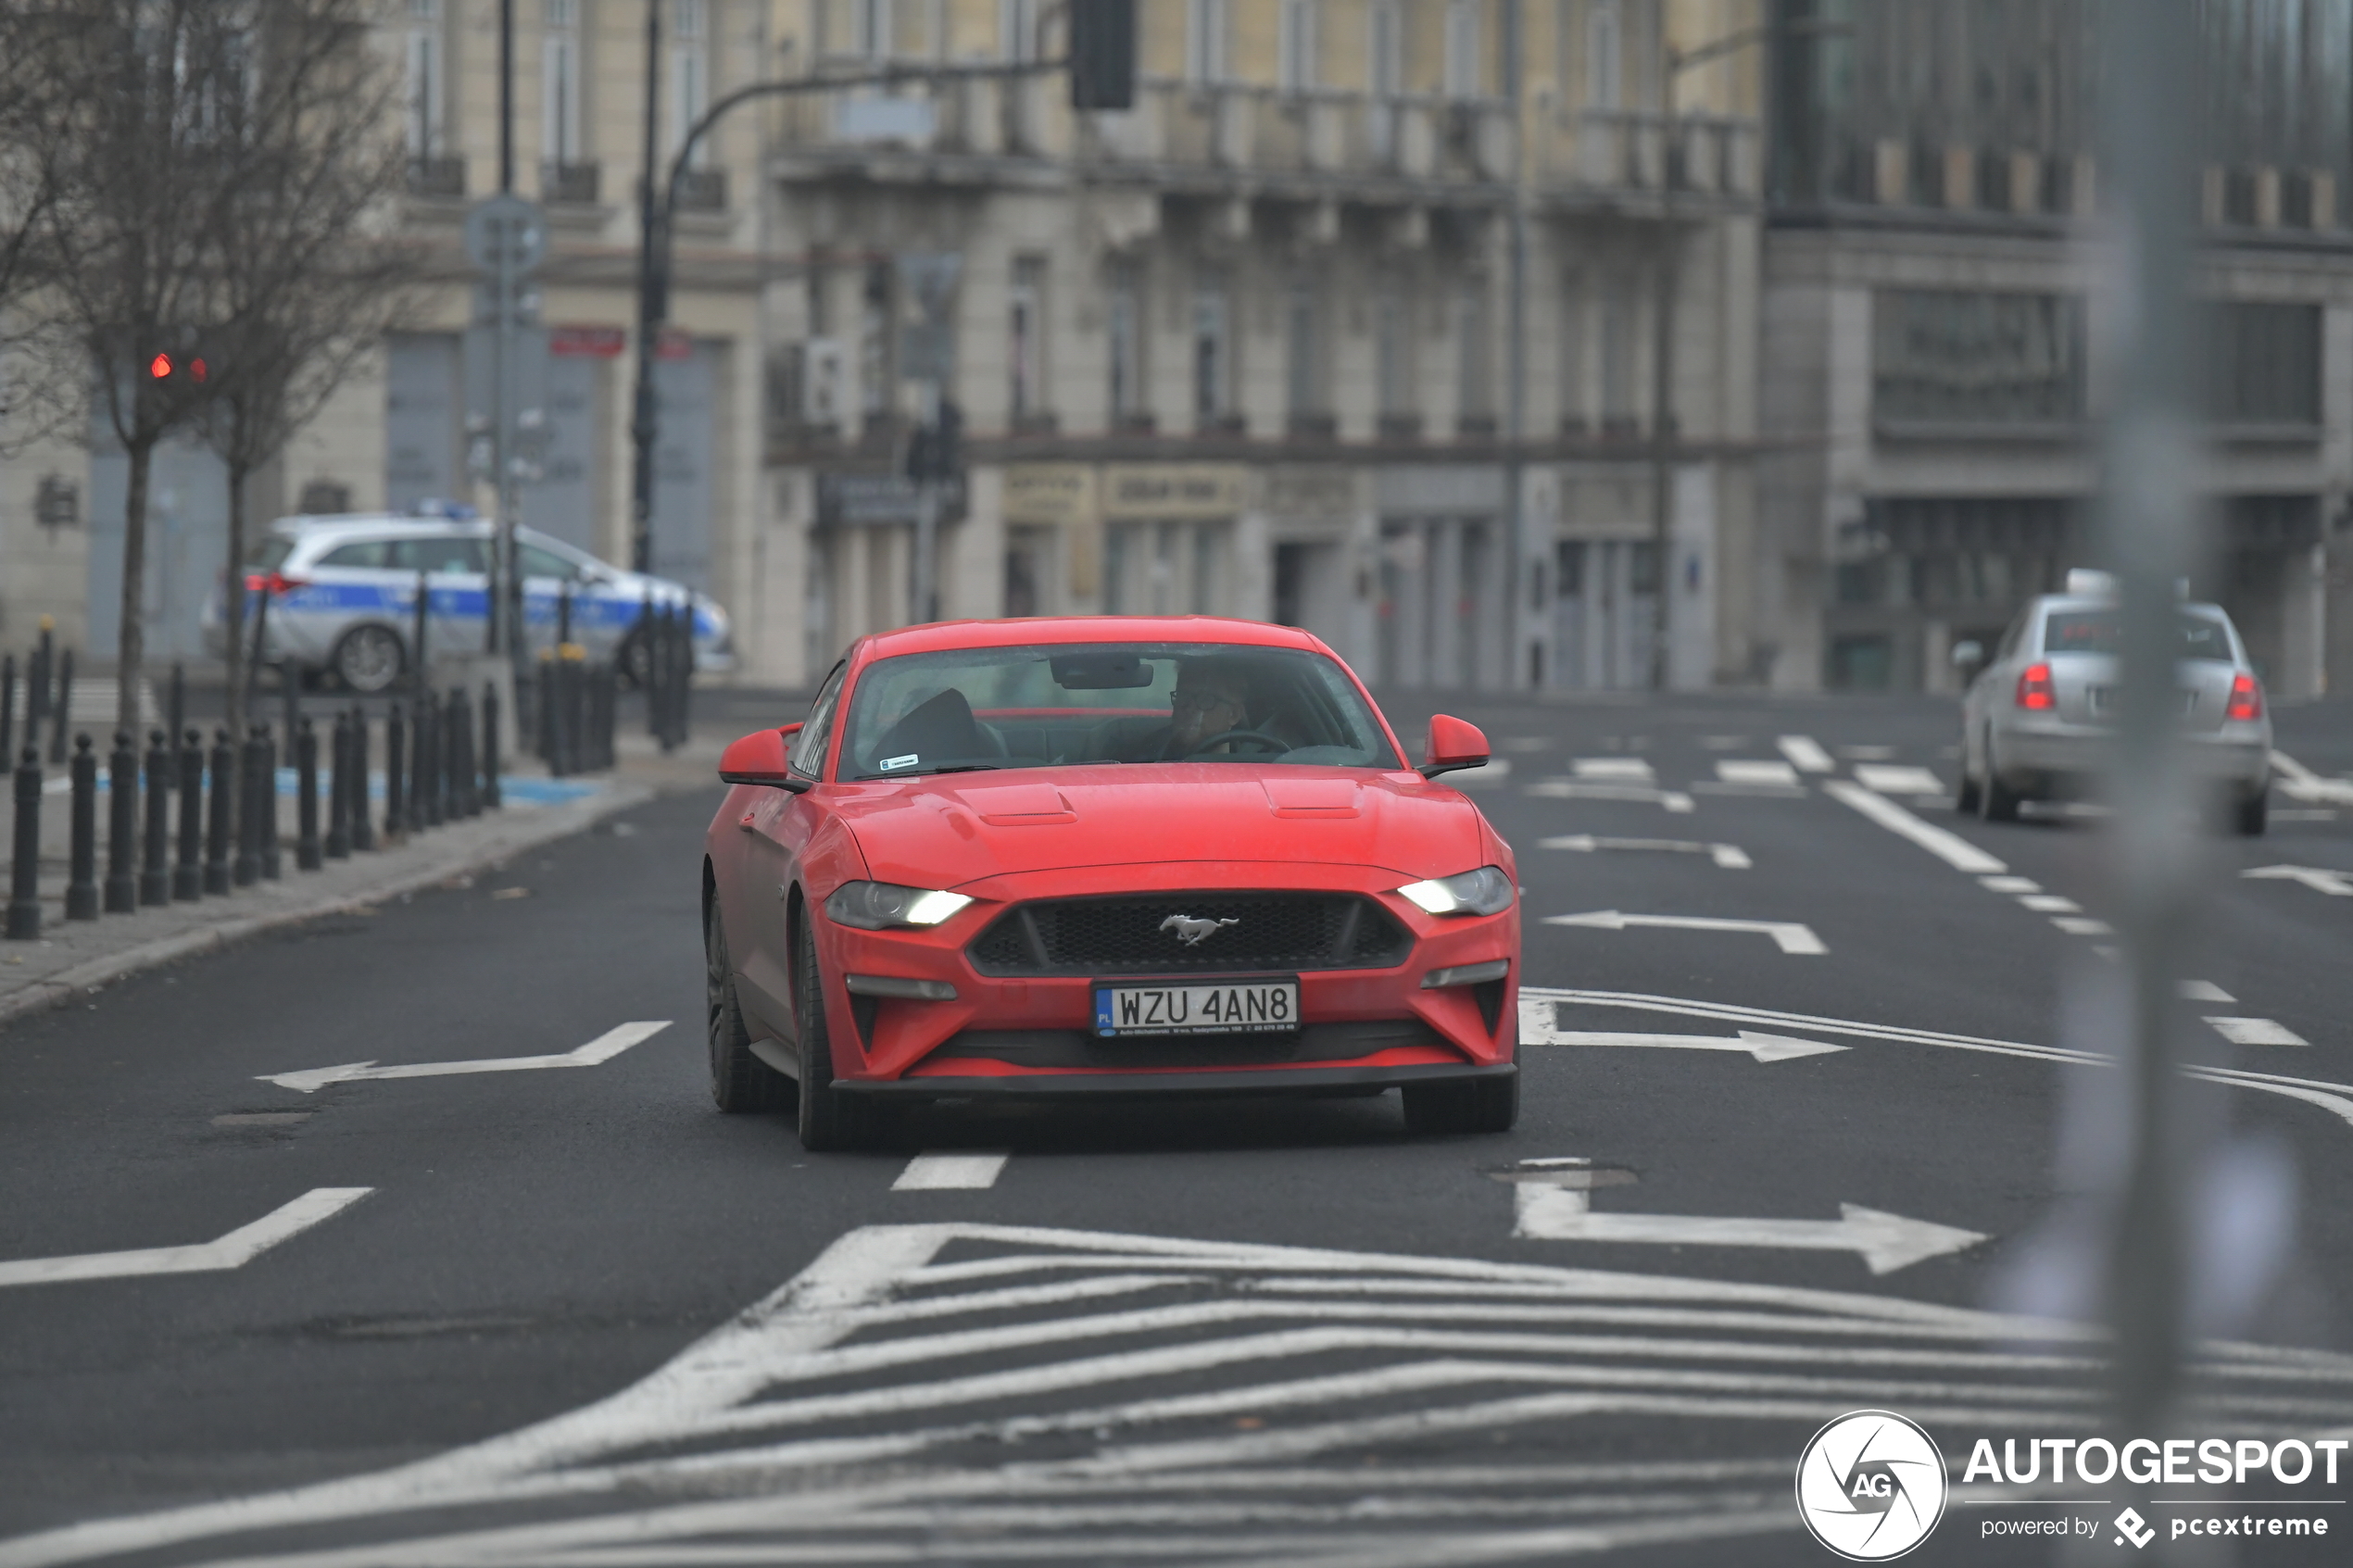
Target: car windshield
(269,553)
(2099,630)
(1107,702)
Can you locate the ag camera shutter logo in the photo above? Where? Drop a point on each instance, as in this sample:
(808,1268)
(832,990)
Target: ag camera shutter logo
(1870,1486)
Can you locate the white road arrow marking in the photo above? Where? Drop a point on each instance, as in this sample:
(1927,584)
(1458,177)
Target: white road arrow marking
(2299,782)
(1570,789)
(2320,879)
(1885,1242)
(1788,934)
(1895,778)
(1778,775)
(944,1172)
(1731,856)
(1764,1047)
(1808,755)
(2256,1031)
(603,1049)
(234,1250)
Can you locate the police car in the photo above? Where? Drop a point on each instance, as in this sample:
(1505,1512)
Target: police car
(343,596)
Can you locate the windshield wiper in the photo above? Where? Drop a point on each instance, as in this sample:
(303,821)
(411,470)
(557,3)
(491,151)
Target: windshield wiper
(925,773)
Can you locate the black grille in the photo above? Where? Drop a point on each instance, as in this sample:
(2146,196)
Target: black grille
(1270,931)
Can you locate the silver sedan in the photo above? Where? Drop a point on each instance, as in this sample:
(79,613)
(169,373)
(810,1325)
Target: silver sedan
(2036,719)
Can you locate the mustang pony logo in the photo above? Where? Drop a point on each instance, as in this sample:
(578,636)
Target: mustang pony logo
(1190,929)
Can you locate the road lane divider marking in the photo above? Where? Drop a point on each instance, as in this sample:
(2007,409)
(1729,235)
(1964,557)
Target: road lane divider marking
(234,1250)
(1738,771)
(2257,1032)
(2050,904)
(1898,778)
(1790,936)
(2082,925)
(2009,885)
(1729,856)
(2320,879)
(1555,1202)
(2204,991)
(597,1052)
(2300,783)
(945,1173)
(1806,755)
(1626,770)
(1950,847)
(1674,800)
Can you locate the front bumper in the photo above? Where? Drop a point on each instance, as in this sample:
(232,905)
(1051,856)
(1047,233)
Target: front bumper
(1033,1034)
(1304,1083)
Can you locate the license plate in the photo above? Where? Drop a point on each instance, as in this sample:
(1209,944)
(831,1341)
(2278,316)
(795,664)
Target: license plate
(1197,1007)
(2103,697)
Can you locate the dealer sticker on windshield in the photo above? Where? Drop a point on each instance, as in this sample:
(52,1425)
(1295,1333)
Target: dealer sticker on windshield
(1209,1006)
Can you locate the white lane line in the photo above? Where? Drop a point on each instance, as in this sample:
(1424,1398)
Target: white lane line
(2299,782)
(1495,770)
(234,1250)
(940,1173)
(2257,1032)
(603,1049)
(1892,778)
(1737,772)
(2051,904)
(1571,789)
(2082,925)
(1950,847)
(2204,991)
(1802,752)
(1729,856)
(2009,885)
(1789,936)
(2320,879)
(1626,770)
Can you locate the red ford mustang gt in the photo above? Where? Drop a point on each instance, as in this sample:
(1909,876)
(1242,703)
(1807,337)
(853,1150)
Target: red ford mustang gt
(1104,856)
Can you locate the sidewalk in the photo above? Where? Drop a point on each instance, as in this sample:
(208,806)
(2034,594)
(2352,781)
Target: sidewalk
(70,959)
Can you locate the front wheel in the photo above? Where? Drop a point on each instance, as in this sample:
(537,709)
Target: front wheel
(829,1120)
(1477,1105)
(740,1082)
(368,660)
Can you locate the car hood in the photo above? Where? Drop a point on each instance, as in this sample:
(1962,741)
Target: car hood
(943,831)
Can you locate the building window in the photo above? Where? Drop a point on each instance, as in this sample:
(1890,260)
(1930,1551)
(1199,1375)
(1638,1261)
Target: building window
(873,345)
(689,75)
(1213,350)
(1605,56)
(1302,349)
(1018,18)
(1955,358)
(872,28)
(1025,339)
(1393,349)
(1574,407)
(1618,313)
(1125,328)
(1465,72)
(1205,41)
(1475,372)
(2264,363)
(1295,46)
(560,86)
(421,111)
(1385,70)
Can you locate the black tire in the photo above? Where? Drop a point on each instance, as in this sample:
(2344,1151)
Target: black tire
(1996,801)
(829,1121)
(2252,815)
(1476,1105)
(740,1083)
(1965,797)
(368,659)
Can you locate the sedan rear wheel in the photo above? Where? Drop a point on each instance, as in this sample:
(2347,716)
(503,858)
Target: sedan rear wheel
(740,1082)
(1965,798)
(1478,1105)
(829,1120)
(368,660)
(2253,813)
(1996,802)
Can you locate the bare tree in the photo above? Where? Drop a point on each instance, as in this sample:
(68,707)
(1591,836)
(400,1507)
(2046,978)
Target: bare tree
(29,181)
(308,281)
(133,142)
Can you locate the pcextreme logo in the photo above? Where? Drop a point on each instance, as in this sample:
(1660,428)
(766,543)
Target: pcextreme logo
(1870,1486)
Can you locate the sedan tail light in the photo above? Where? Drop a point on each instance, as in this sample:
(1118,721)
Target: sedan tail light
(2247,699)
(277,585)
(2035,691)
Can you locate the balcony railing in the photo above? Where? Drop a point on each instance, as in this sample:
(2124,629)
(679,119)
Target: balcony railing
(437,176)
(572,182)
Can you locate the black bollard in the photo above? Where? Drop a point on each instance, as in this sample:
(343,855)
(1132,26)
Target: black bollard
(24,866)
(363,830)
(544,702)
(462,755)
(338,844)
(396,794)
(490,745)
(290,697)
(58,715)
(270,869)
(122,827)
(308,857)
(187,877)
(8,705)
(225,812)
(155,865)
(36,684)
(425,810)
(422,670)
(176,715)
(644,661)
(249,785)
(81,852)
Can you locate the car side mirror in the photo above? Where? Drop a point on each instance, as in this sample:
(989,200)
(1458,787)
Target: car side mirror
(760,758)
(1455,744)
(1968,656)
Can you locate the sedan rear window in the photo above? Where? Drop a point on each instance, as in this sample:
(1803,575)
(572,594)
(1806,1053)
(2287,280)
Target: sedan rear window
(1071,705)
(364,555)
(2099,630)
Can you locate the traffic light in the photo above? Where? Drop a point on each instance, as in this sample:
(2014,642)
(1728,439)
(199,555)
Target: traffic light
(1103,54)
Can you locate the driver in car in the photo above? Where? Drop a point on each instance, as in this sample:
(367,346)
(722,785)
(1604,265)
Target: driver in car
(1213,696)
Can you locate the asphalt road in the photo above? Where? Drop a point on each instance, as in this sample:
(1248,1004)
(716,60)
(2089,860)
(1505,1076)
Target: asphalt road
(578,1317)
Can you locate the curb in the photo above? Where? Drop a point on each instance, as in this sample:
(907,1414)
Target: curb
(63,987)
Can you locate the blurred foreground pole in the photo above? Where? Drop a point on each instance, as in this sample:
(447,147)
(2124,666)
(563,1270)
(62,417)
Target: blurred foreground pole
(2149,522)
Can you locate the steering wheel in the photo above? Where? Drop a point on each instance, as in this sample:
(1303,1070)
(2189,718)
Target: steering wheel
(1271,743)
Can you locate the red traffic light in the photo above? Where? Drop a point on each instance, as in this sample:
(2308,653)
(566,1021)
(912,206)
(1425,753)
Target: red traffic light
(195,368)
(159,367)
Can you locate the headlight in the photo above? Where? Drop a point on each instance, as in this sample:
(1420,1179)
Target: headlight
(1486,891)
(871,906)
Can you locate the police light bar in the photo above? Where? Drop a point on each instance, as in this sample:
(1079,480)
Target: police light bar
(447,511)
